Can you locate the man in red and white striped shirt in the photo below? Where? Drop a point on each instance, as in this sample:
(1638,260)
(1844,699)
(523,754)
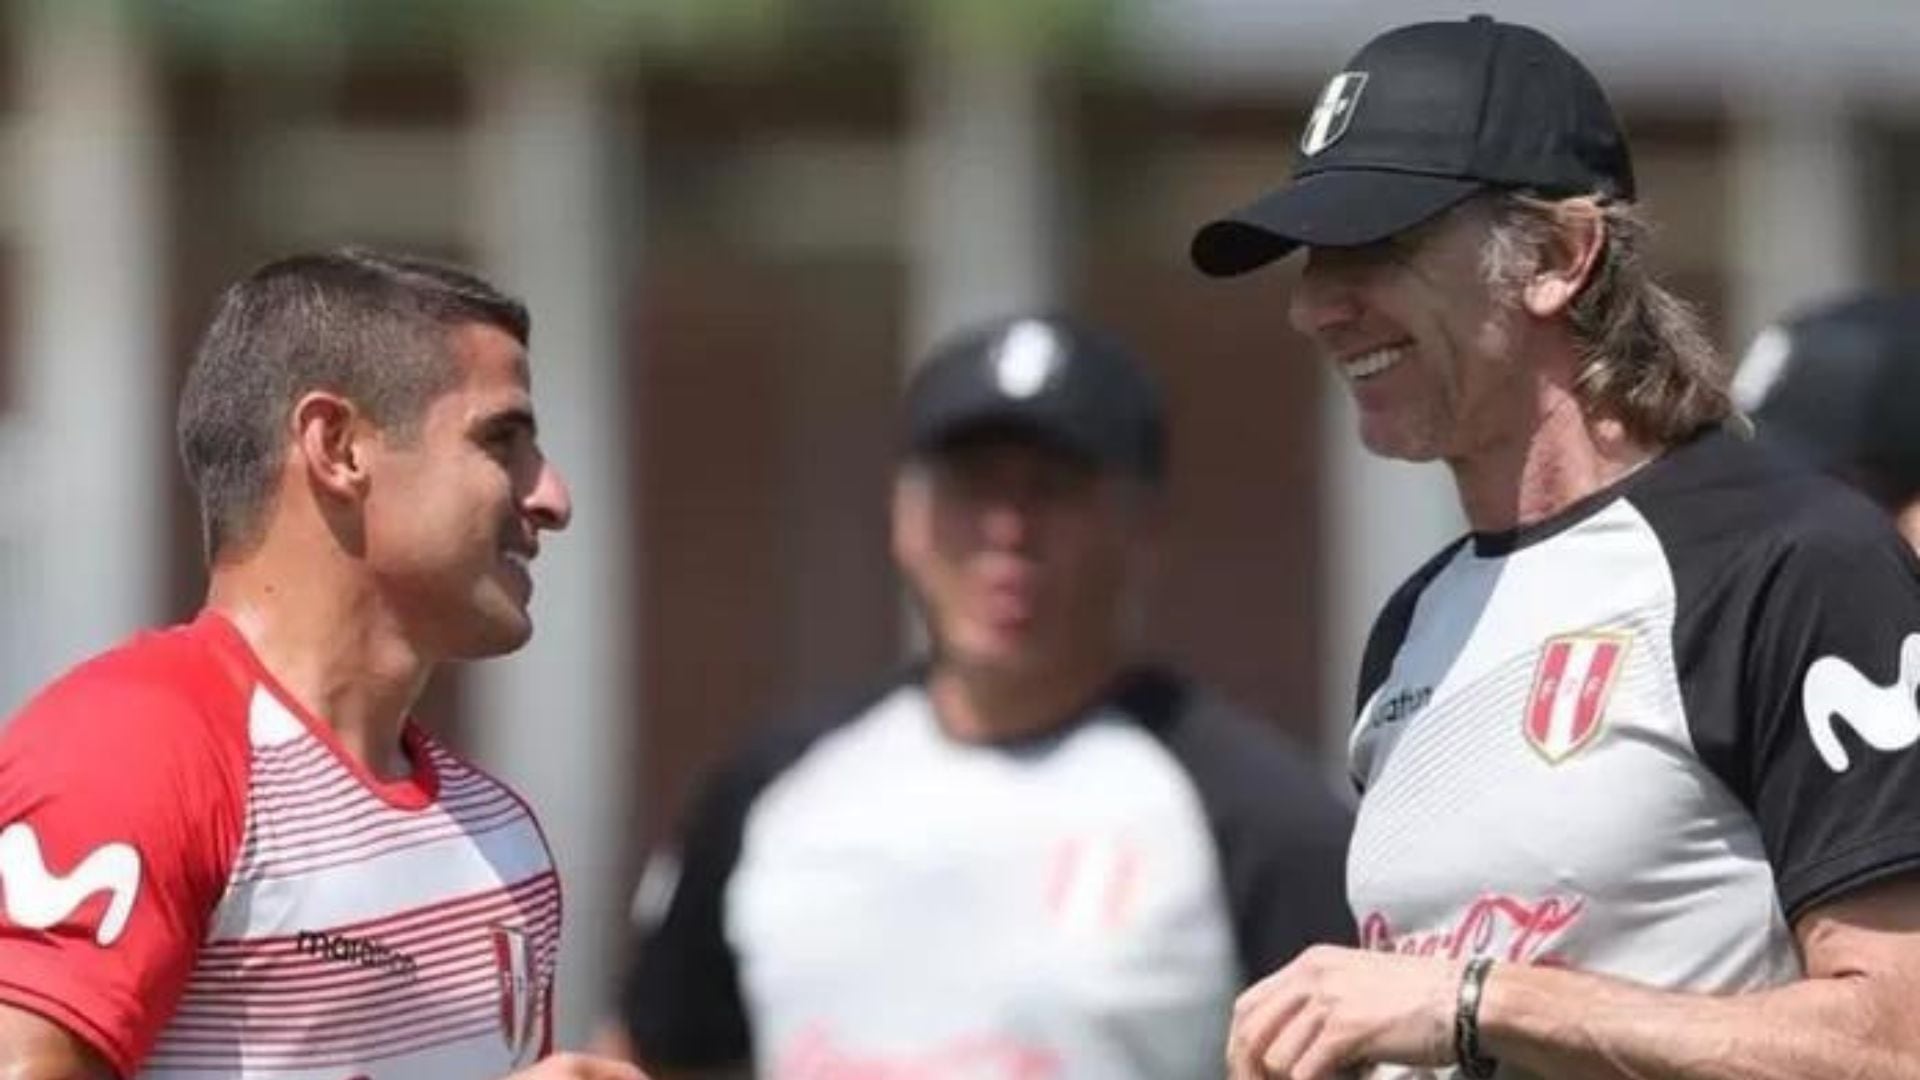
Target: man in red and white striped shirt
(225,849)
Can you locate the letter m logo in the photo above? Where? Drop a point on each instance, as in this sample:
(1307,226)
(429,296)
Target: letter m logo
(1886,718)
(35,897)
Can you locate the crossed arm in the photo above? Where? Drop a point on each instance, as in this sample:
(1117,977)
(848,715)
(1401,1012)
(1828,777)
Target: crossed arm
(1851,1017)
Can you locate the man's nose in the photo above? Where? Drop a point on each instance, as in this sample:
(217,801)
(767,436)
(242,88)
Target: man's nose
(550,504)
(1322,300)
(1007,522)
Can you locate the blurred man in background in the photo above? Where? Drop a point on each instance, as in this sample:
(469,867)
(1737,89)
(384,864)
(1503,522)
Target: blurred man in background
(225,850)
(1640,788)
(1840,385)
(1034,855)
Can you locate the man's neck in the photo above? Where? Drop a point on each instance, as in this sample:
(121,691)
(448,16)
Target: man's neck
(1564,457)
(323,637)
(982,706)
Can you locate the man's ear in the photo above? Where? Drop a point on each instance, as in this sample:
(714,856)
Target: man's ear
(906,513)
(330,436)
(1569,260)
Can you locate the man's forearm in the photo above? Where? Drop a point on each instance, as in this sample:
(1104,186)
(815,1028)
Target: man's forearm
(1575,1026)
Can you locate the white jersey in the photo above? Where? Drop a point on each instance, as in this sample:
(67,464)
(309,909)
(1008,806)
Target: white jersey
(876,899)
(1641,736)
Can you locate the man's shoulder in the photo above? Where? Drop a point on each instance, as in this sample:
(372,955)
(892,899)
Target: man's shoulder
(1724,477)
(1726,501)
(1234,753)
(783,738)
(1169,701)
(1401,601)
(157,684)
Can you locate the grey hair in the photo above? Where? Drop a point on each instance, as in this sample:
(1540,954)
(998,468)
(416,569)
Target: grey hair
(1646,359)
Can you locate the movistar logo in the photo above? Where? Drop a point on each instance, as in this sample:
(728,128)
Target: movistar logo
(33,896)
(1884,717)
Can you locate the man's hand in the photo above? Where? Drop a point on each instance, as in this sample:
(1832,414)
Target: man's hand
(1333,1007)
(580,1067)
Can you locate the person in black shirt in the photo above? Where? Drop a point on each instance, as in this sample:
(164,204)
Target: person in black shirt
(1035,854)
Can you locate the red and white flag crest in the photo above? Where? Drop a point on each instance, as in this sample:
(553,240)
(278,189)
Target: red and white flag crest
(522,992)
(1571,684)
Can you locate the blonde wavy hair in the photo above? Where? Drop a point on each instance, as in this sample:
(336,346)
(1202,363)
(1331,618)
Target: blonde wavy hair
(1646,359)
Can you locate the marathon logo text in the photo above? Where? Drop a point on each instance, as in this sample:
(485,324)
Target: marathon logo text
(360,952)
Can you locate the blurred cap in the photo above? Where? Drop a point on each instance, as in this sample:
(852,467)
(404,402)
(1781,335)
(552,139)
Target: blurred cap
(1043,378)
(1839,385)
(1421,118)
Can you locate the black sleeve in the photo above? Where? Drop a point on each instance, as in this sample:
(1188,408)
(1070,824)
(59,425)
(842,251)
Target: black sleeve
(1390,632)
(1827,762)
(680,997)
(1280,829)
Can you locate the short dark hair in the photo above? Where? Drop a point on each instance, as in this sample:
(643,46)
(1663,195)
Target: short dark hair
(371,326)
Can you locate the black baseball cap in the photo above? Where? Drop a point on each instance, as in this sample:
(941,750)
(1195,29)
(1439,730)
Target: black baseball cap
(1045,378)
(1839,384)
(1421,118)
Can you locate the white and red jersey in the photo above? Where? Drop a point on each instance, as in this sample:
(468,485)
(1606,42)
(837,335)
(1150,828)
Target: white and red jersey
(197,881)
(860,896)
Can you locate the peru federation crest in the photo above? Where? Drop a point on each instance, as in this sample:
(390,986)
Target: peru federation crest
(1571,684)
(523,993)
(1333,112)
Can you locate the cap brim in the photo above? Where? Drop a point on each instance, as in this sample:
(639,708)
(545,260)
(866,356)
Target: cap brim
(1338,208)
(1026,427)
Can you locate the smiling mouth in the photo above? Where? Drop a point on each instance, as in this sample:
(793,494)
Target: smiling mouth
(521,564)
(1372,362)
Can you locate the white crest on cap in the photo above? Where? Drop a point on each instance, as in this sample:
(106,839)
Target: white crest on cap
(1027,358)
(1765,362)
(1333,112)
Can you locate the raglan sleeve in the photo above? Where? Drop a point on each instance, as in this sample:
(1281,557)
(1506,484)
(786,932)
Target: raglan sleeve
(1827,756)
(680,996)
(1384,642)
(120,813)
(1279,828)
(1284,859)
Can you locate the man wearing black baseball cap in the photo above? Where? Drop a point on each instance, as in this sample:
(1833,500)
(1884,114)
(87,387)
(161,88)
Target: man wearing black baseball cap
(1457,109)
(1640,792)
(1035,853)
(1839,384)
(1050,380)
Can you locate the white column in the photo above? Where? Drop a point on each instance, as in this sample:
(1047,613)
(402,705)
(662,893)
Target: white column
(981,207)
(92,449)
(558,719)
(1382,520)
(1796,231)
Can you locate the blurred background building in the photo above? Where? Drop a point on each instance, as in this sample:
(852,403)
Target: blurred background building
(736,221)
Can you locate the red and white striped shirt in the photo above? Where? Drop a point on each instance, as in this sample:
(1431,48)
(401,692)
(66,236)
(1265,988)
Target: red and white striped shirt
(199,882)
